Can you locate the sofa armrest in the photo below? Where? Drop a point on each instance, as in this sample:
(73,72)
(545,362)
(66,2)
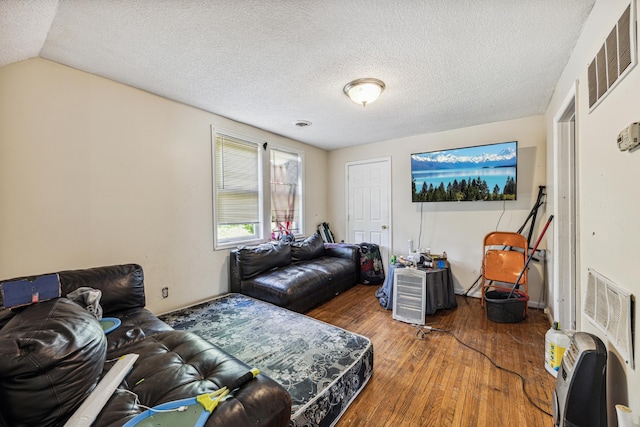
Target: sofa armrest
(347,251)
(343,250)
(234,271)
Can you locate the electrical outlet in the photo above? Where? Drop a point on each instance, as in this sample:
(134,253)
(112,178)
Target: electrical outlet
(165,292)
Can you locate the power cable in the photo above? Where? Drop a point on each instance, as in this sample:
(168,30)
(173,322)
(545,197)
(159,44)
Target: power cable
(504,208)
(424,330)
(420,234)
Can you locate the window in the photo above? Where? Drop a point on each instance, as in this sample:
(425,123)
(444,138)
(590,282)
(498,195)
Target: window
(286,200)
(251,206)
(237,190)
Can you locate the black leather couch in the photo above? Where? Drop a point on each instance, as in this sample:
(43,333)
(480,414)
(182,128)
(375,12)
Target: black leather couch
(298,275)
(53,353)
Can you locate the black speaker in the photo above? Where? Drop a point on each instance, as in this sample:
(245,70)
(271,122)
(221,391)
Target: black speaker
(580,396)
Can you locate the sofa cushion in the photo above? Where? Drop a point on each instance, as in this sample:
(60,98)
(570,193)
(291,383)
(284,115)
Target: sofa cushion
(333,268)
(310,248)
(175,365)
(136,325)
(284,286)
(51,356)
(260,258)
(122,286)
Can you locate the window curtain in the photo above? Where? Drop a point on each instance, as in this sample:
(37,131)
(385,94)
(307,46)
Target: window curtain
(285,176)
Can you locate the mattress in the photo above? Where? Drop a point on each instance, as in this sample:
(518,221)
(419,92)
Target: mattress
(323,367)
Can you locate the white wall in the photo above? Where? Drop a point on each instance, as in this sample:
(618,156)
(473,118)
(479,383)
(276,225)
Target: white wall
(609,205)
(457,228)
(93,172)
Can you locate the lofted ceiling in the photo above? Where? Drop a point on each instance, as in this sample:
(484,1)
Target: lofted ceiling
(446,63)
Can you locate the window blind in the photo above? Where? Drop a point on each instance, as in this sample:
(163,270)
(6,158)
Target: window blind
(237,181)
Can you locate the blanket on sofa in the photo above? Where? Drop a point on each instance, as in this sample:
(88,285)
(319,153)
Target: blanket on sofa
(322,366)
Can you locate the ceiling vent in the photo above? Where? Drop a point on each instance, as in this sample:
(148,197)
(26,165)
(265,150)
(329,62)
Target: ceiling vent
(610,308)
(615,59)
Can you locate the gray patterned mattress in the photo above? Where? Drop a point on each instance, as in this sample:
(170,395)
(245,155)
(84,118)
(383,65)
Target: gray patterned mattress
(322,366)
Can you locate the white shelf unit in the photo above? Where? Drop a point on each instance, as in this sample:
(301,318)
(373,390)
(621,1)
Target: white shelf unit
(409,295)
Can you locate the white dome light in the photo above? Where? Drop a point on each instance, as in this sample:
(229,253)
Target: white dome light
(364,91)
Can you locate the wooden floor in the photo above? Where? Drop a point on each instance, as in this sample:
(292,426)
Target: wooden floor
(436,381)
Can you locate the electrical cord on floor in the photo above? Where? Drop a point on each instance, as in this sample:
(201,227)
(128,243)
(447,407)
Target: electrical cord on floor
(148,408)
(422,332)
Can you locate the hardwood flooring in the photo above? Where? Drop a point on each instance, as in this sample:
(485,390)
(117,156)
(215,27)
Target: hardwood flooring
(436,381)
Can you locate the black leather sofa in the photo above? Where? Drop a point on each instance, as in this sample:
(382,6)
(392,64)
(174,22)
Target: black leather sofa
(297,276)
(53,353)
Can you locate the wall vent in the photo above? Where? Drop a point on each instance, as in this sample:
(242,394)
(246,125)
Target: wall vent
(611,310)
(615,59)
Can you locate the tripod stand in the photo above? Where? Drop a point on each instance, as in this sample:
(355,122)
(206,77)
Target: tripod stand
(533,213)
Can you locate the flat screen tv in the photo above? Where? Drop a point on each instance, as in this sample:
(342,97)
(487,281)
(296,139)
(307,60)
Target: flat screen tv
(479,173)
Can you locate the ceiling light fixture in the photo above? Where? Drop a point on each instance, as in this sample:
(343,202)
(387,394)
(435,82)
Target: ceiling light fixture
(364,91)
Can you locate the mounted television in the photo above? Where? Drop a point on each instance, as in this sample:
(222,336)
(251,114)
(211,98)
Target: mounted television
(479,173)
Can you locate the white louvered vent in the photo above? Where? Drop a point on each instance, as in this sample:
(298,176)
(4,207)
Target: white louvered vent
(615,59)
(409,295)
(610,308)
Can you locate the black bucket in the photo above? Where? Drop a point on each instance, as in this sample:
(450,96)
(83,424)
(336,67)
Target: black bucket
(502,309)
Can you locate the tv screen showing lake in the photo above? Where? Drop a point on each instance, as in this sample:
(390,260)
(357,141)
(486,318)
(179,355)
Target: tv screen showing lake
(486,172)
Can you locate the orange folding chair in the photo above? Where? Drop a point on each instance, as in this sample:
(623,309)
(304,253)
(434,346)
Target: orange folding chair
(504,257)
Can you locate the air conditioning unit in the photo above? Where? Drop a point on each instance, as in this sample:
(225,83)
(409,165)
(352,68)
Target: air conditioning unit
(409,295)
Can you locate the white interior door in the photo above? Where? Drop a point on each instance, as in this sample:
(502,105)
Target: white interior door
(369,203)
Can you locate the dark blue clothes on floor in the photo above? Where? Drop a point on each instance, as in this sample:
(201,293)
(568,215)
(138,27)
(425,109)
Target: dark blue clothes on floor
(385,292)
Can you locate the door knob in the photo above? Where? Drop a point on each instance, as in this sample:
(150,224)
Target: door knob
(384,227)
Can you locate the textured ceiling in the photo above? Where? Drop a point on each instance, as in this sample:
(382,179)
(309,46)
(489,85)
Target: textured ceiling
(268,63)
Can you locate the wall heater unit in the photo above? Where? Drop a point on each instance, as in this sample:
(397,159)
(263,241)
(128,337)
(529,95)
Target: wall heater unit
(409,295)
(612,310)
